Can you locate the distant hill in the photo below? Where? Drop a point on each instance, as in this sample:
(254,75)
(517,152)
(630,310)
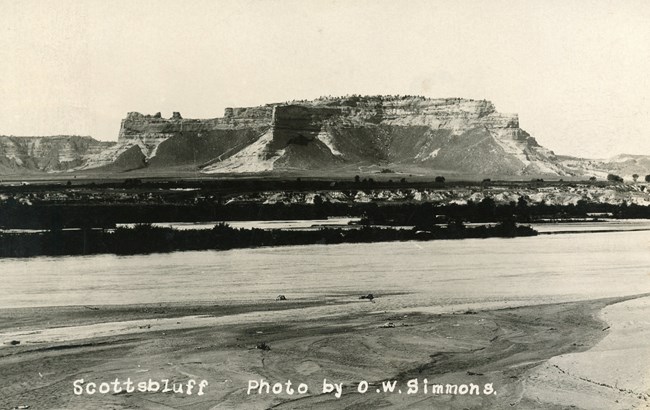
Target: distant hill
(24,155)
(623,165)
(450,136)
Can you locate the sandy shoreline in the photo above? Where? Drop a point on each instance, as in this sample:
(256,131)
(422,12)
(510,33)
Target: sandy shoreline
(512,348)
(615,373)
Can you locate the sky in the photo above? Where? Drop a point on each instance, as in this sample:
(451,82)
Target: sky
(577,72)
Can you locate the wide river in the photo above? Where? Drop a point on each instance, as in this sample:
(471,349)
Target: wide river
(496,271)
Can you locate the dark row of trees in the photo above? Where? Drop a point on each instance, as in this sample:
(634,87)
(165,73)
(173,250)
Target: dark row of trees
(61,216)
(147,239)
(487,210)
(617,178)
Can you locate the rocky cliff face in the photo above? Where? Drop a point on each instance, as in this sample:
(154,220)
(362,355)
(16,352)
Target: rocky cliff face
(332,135)
(50,154)
(411,134)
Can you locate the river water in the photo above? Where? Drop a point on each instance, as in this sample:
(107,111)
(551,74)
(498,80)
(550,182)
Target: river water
(545,268)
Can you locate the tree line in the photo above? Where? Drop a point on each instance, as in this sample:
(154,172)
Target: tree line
(144,238)
(61,216)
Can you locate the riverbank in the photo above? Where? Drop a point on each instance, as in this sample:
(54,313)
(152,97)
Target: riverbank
(614,374)
(145,238)
(295,340)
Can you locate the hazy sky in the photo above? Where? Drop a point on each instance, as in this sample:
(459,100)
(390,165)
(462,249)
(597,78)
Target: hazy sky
(577,72)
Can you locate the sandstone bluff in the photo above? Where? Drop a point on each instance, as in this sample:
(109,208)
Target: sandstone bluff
(344,135)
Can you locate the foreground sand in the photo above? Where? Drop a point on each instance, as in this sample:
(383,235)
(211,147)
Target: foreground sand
(544,356)
(615,373)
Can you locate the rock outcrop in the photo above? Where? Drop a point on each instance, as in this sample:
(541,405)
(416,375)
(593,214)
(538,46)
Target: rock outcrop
(49,154)
(333,136)
(413,134)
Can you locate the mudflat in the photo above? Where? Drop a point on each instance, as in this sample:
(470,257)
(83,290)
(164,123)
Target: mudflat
(237,347)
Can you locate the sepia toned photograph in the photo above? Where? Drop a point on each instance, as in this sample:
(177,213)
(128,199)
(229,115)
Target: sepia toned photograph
(324,204)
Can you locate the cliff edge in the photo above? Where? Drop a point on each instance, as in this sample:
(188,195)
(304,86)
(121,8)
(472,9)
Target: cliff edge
(332,135)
